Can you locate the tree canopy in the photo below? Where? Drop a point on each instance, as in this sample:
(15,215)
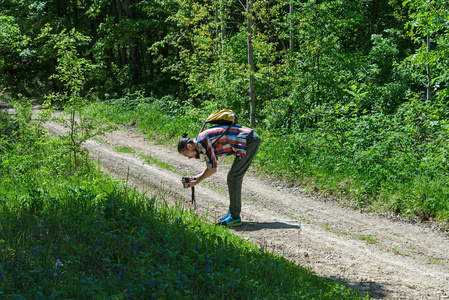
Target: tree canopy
(306,55)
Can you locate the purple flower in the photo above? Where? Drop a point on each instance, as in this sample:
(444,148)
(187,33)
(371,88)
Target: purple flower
(135,246)
(58,263)
(122,275)
(208,267)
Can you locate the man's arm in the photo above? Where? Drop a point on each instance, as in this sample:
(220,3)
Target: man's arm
(207,173)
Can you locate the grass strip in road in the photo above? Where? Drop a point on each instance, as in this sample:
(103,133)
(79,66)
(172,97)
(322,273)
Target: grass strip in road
(154,161)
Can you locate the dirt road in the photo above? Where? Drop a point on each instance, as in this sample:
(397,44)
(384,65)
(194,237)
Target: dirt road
(387,258)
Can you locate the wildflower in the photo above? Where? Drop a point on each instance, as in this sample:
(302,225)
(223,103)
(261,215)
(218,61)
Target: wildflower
(122,275)
(128,292)
(50,273)
(135,246)
(19,264)
(208,267)
(58,263)
(1,273)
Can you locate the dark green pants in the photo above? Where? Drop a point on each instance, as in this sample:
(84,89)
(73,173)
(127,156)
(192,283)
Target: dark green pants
(237,171)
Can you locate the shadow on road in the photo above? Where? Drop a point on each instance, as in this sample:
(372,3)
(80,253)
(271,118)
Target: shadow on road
(375,290)
(254,226)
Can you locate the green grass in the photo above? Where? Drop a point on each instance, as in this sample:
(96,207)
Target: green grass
(124,149)
(154,161)
(85,235)
(96,244)
(368,239)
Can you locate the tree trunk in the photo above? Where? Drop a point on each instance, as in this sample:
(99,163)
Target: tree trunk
(133,53)
(75,14)
(222,20)
(121,59)
(290,8)
(249,31)
(54,82)
(429,77)
(375,11)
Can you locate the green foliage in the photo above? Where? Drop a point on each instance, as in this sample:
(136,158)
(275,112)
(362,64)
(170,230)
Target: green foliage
(71,72)
(164,119)
(428,28)
(371,158)
(13,48)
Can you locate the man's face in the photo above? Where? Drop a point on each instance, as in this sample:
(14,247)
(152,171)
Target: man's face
(190,152)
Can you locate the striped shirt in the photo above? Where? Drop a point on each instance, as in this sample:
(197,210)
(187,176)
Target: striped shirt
(233,142)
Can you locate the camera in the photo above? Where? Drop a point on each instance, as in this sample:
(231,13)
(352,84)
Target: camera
(184,181)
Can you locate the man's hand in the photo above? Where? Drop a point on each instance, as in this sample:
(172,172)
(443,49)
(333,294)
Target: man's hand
(189,182)
(192,181)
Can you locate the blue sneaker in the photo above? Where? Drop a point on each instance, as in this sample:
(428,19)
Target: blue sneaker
(223,218)
(229,221)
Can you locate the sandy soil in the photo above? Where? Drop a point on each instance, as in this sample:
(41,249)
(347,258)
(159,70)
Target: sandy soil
(390,259)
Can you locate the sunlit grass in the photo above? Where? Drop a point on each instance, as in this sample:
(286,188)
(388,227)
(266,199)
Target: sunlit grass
(154,161)
(124,149)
